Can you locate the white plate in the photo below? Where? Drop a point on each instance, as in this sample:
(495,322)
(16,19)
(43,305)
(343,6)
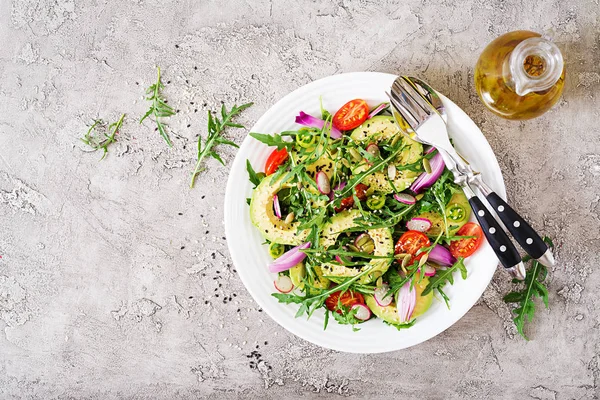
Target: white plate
(251,258)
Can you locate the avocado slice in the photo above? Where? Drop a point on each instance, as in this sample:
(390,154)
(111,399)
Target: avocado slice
(263,216)
(379,128)
(382,238)
(458,202)
(390,313)
(298,273)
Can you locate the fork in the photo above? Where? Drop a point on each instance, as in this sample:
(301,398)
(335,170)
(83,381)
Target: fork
(422,122)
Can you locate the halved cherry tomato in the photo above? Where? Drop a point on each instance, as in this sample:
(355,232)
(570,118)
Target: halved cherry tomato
(345,204)
(411,242)
(347,299)
(361,191)
(351,115)
(348,202)
(466,247)
(276,158)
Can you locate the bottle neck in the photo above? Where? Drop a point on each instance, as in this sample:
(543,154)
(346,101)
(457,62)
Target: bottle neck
(535,65)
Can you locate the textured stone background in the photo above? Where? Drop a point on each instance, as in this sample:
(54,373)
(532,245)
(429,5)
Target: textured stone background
(110,270)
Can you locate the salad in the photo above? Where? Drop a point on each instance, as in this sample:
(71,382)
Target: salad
(360,220)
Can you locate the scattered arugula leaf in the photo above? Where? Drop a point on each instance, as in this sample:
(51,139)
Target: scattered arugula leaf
(534,286)
(97,143)
(440,279)
(158,108)
(216,127)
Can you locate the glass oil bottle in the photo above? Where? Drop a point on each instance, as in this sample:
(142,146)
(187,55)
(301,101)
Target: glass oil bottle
(520,75)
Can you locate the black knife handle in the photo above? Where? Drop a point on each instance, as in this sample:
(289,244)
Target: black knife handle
(496,237)
(523,233)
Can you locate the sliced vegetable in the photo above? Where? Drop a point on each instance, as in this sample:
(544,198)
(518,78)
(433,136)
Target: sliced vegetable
(376,202)
(362,312)
(381,295)
(275,160)
(276,250)
(410,243)
(441,256)
(419,224)
(346,299)
(314,122)
(405,198)
(283,284)
(378,109)
(361,191)
(425,180)
(276,206)
(323,182)
(351,115)
(466,247)
(289,259)
(429,270)
(306,138)
(373,150)
(406,301)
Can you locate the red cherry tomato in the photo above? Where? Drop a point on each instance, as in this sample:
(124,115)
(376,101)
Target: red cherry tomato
(345,204)
(351,115)
(361,191)
(466,247)
(411,242)
(348,299)
(275,160)
(348,202)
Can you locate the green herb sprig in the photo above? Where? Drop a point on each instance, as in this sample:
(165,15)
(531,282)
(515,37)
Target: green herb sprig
(534,287)
(216,126)
(442,277)
(158,107)
(97,143)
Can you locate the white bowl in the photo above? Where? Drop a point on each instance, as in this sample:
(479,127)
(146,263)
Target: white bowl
(251,257)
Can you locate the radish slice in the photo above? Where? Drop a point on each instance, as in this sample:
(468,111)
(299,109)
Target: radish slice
(323,183)
(283,284)
(276,206)
(419,224)
(373,150)
(362,312)
(380,296)
(407,298)
(405,198)
(429,270)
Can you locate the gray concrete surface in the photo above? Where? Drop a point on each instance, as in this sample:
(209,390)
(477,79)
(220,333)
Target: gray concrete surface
(110,271)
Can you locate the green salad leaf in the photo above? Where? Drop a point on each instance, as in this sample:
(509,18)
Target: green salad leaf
(442,277)
(533,287)
(215,128)
(158,107)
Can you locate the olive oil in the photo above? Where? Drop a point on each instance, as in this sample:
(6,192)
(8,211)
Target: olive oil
(520,75)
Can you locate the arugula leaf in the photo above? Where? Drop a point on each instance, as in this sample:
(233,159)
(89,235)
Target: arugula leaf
(216,127)
(97,143)
(347,317)
(253,176)
(442,277)
(326,321)
(401,326)
(534,287)
(325,115)
(158,107)
(271,140)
